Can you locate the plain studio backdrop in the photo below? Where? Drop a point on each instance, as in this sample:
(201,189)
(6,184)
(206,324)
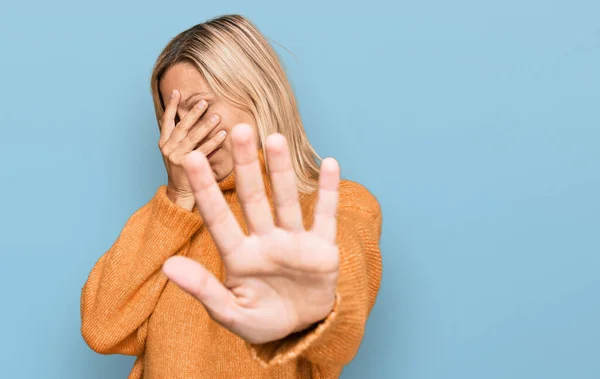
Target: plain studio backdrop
(476,124)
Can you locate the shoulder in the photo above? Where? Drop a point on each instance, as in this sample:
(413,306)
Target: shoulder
(356,197)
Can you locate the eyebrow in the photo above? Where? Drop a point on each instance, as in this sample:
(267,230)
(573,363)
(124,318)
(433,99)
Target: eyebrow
(185,103)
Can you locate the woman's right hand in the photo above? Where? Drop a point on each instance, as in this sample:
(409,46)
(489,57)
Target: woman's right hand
(178,140)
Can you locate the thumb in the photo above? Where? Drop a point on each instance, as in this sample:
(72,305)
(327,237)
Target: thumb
(196,280)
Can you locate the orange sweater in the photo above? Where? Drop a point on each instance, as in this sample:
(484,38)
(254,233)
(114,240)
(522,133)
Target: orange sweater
(129,307)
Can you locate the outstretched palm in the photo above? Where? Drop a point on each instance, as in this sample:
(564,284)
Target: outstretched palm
(280,278)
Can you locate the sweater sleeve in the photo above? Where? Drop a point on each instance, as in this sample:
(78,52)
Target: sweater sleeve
(124,286)
(334,341)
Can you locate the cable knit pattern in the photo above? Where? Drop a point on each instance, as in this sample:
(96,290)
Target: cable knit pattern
(129,307)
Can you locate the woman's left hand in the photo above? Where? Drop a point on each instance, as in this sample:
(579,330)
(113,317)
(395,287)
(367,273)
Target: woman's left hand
(281,278)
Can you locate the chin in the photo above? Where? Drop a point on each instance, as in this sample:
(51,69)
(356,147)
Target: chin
(221,163)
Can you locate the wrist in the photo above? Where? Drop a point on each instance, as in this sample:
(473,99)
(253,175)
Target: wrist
(313,321)
(303,327)
(186,201)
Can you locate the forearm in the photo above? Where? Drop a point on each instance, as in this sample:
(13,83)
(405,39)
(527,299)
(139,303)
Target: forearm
(125,284)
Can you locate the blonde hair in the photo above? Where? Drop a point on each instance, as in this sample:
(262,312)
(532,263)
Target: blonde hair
(241,67)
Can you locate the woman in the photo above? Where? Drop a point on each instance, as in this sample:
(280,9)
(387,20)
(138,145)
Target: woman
(241,266)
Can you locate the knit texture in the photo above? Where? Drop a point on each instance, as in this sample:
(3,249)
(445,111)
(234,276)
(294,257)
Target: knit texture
(129,307)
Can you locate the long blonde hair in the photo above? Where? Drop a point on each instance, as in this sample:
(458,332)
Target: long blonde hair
(241,67)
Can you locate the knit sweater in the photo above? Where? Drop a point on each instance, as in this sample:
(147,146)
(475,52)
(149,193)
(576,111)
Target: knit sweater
(129,307)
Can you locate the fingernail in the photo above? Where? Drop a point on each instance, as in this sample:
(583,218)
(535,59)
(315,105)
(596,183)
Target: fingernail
(172,94)
(201,104)
(214,118)
(222,134)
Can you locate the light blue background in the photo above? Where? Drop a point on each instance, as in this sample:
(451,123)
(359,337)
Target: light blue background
(476,124)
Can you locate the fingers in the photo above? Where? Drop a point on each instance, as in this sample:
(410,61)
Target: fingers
(167,123)
(283,182)
(213,143)
(213,208)
(249,183)
(194,137)
(198,133)
(196,280)
(180,131)
(325,222)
